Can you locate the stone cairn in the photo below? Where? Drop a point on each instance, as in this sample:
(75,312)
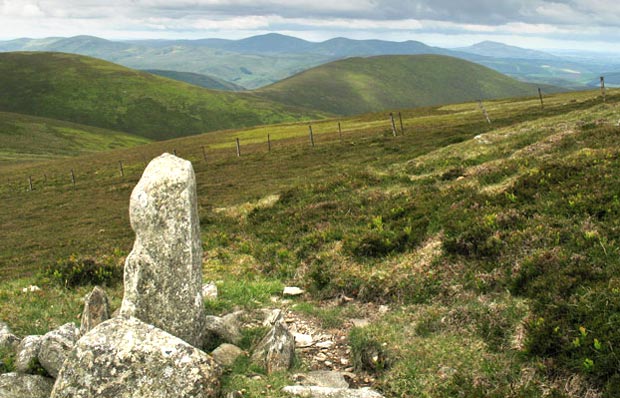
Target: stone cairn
(152,349)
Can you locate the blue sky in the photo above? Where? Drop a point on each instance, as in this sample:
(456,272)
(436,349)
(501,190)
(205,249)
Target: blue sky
(541,24)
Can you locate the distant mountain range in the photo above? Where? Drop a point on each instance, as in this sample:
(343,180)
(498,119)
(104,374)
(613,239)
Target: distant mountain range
(262,60)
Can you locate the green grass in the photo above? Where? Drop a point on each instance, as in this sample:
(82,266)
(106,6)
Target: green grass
(26,138)
(358,85)
(197,79)
(98,93)
(495,246)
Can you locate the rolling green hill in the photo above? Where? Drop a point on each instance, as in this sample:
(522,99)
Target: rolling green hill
(26,138)
(197,79)
(98,93)
(358,85)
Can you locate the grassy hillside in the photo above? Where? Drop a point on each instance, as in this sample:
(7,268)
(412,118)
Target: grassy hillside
(493,250)
(197,79)
(98,93)
(358,85)
(25,138)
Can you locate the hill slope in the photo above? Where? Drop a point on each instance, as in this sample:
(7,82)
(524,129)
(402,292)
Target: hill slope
(98,93)
(197,79)
(358,85)
(26,138)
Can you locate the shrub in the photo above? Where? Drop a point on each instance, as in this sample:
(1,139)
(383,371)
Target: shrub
(78,271)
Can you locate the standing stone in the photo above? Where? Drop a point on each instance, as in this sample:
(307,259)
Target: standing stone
(55,346)
(276,351)
(127,358)
(17,385)
(163,272)
(96,310)
(226,354)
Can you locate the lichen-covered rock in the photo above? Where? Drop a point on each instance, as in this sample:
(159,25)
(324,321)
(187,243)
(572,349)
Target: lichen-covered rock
(18,385)
(209,291)
(226,354)
(27,358)
(9,342)
(96,310)
(276,351)
(4,328)
(127,358)
(330,392)
(323,378)
(55,346)
(226,329)
(163,272)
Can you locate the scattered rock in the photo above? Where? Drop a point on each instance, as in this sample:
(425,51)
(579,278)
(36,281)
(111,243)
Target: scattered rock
(31,288)
(27,359)
(272,317)
(55,346)
(276,351)
(9,342)
(225,329)
(163,272)
(325,344)
(292,291)
(226,354)
(303,340)
(125,357)
(209,291)
(96,310)
(18,385)
(329,392)
(4,328)
(322,378)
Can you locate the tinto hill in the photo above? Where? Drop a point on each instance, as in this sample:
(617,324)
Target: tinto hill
(98,93)
(358,85)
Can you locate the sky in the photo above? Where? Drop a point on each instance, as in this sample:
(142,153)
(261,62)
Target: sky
(539,24)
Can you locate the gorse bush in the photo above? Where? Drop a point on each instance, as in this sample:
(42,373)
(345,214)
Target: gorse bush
(78,271)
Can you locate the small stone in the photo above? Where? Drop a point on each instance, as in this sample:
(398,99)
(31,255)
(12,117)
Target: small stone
(276,351)
(18,385)
(226,354)
(303,340)
(344,361)
(320,357)
(323,378)
(360,323)
(383,309)
(292,291)
(328,364)
(329,392)
(272,317)
(96,310)
(209,291)
(27,358)
(4,328)
(55,346)
(225,328)
(9,342)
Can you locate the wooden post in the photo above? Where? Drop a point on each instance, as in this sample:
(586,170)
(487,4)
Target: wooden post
(393,125)
(120,168)
(339,132)
(311,135)
(603,87)
(542,105)
(73,178)
(402,129)
(204,153)
(44,177)
(238,148)
(30,182)
(484,111)
(269,142)
(174,151)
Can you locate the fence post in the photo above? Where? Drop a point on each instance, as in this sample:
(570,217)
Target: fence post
(269,142)
(484,111)
(238,147)
(311,135)
(120,168)
(339,132)
(603,87)
(30,182)
(402,129)
(73,178)
(174,151)
(204,153)
(542,105)
(393,124)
